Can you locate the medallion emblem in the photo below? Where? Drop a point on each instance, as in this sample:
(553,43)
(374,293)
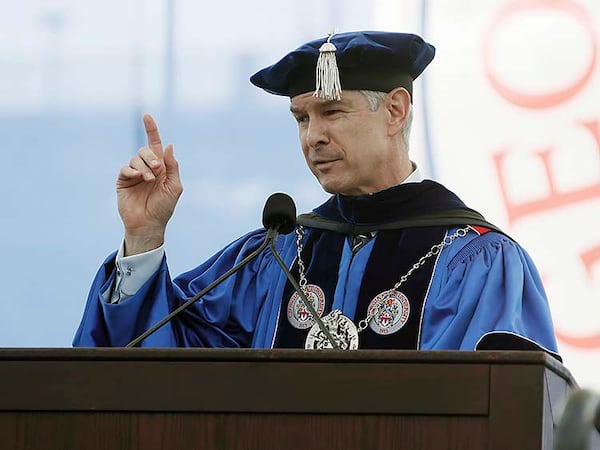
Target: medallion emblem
(298,314)
(389,312)
(341,329)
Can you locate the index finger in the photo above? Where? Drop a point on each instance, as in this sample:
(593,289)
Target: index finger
(153,135)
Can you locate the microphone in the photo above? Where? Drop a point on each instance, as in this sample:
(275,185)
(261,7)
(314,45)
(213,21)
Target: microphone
(279,216)
(279,213)
(580,416)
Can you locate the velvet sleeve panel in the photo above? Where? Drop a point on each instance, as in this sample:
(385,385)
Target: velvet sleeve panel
(489,286)
(225,317)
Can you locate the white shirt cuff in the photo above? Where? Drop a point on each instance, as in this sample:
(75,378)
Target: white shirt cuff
(132,272)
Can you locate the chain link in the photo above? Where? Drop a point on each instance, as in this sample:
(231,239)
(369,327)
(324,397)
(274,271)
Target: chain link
(301,269)
(434,251)
(364,323)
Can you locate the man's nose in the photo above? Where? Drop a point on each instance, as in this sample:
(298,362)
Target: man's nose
(316,133)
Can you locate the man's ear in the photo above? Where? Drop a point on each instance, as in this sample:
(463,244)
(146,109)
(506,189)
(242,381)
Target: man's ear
(398,105)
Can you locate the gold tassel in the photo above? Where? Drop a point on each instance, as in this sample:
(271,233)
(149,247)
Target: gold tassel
(328,84)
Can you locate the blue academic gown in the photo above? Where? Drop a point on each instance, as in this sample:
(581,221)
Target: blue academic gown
(482,291)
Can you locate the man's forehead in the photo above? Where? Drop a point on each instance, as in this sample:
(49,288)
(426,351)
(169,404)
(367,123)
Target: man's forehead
(307,100)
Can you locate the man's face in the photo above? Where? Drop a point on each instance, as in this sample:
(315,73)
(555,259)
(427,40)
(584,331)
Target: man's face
(346,145)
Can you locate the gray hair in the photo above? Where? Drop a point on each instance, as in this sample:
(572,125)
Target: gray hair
(375,98)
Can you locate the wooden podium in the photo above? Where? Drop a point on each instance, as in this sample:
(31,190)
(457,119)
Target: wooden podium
(282,399)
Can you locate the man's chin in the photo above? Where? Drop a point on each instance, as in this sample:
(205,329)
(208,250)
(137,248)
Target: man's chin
(336,189)
(334,186)
(330,188)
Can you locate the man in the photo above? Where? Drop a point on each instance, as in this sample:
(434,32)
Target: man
(389,261)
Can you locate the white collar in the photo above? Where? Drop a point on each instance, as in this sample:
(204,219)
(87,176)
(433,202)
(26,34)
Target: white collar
(415,176)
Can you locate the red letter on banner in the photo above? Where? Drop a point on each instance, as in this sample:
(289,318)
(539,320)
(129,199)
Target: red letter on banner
(589,258)
(547,100)
(553,199)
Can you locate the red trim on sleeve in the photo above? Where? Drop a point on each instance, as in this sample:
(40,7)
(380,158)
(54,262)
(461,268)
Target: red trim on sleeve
(479,230)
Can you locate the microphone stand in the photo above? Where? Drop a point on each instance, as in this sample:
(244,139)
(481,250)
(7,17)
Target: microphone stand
(271,235)
(269,240)
(306,302)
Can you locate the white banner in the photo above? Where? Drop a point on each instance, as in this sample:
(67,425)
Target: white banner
(511,107)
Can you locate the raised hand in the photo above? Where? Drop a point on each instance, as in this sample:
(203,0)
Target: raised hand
(147,192)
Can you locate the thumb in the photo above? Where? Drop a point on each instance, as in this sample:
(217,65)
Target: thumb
(171,164)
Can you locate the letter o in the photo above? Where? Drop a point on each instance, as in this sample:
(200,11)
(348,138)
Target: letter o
(547,100)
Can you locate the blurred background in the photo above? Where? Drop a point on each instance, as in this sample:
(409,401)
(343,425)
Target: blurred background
(507,116)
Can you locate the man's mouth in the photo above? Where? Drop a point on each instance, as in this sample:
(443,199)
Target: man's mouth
(324,163)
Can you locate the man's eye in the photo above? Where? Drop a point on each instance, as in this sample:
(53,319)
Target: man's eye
(331,112)
(301,119)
